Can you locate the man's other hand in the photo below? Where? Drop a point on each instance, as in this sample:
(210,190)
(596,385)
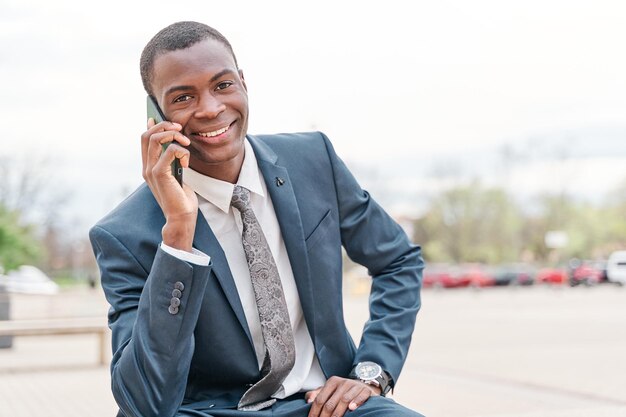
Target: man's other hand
(339,395)
(179,204)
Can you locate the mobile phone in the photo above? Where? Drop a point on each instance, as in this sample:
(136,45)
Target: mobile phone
(155,112)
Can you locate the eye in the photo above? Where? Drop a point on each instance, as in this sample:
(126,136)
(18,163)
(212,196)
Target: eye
(182,98)
(223,85)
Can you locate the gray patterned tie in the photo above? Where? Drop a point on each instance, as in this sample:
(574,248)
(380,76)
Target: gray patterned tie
(280,352)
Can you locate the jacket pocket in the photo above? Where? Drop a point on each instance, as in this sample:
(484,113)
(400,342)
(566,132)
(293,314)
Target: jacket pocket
(319,232)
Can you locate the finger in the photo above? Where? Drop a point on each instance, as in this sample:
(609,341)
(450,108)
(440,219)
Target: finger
(310,395)
(162,168)
(163,125)
(184,159)
(317,406)
(154,128)
(164,185)
(156,142)
(337,404)
(351,394)
(176,152)
(360,398)
(328,399)
(180,153)
(169,136)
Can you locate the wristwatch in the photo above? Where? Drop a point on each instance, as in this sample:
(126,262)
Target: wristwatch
(371,373)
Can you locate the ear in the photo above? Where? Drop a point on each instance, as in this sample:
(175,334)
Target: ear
(243,80)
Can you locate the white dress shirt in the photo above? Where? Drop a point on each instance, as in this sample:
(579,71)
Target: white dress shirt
(225,221)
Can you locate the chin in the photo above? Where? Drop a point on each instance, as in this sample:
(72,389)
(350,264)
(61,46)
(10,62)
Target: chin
(217,155)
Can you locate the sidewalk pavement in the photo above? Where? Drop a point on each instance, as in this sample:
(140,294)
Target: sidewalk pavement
(495,352)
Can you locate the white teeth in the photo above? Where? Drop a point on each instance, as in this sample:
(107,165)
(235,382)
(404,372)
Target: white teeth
(215,133)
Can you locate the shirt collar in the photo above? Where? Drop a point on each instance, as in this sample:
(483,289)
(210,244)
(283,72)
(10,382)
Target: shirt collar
(218,192)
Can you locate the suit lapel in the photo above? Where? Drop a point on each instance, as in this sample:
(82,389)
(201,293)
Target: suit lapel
(288,215)
(206,241)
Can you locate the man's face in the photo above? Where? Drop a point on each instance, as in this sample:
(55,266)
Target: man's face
(201,89)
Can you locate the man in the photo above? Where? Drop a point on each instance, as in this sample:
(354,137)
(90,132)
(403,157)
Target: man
(225,293)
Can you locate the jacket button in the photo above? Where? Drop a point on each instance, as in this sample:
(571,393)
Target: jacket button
(179,286)
(176,293)
(175,302)
(173,310)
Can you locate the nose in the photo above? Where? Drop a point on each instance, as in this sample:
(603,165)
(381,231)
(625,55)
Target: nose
(209,107)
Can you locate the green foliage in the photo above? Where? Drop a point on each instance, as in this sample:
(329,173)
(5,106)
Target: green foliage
(18,243)
(476,224)
(471,224)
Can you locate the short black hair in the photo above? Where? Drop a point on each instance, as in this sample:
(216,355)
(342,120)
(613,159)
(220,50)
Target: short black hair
(179,35)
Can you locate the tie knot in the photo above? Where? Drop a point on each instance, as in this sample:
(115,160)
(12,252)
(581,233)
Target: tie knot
(241,198)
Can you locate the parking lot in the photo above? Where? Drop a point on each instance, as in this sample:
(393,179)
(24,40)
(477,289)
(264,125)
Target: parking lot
(503,352)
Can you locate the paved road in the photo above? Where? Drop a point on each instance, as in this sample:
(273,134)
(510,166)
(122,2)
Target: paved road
(497,352)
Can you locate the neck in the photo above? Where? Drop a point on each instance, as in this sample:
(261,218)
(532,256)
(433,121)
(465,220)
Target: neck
(225,171)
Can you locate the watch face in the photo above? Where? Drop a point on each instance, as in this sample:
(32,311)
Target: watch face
(368,371)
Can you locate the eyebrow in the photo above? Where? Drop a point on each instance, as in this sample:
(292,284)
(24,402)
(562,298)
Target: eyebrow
(188,87)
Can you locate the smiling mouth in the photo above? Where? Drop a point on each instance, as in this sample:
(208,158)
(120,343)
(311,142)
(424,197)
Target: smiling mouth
(213,133)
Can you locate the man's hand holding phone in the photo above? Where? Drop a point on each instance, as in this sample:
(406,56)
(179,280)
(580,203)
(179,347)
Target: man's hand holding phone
(179,203)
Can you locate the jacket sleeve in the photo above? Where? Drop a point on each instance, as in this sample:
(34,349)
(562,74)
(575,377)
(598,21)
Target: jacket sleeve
(373,239)
(152,347)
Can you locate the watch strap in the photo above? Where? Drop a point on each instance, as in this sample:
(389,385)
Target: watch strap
(384,382)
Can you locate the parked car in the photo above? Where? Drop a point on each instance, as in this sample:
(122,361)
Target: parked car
(444,276)
(551,276)
(585,272)
(475,275)
(28,279)
(616,267)
(513,274)
(456,276)
(439,276)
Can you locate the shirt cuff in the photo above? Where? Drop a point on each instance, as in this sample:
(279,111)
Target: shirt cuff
(195,256)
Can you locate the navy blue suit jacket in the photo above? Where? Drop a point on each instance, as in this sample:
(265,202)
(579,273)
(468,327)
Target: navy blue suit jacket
(203,357)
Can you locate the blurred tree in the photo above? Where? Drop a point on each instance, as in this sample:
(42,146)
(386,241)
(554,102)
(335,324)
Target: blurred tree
(471,224)
(594,231)
(614,219)
(18,243)
(552,212)
(30,206)
(29,187)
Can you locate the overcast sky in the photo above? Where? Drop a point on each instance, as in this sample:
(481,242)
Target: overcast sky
(382,79)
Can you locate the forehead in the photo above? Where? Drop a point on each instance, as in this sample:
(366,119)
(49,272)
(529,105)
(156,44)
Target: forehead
(186,66)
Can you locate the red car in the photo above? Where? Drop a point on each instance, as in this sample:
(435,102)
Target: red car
(551,276)
(586,273)
(441,276)
(444,276)
(476,276)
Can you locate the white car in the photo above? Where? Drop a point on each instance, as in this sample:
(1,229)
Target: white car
(616,267)
(28,279)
